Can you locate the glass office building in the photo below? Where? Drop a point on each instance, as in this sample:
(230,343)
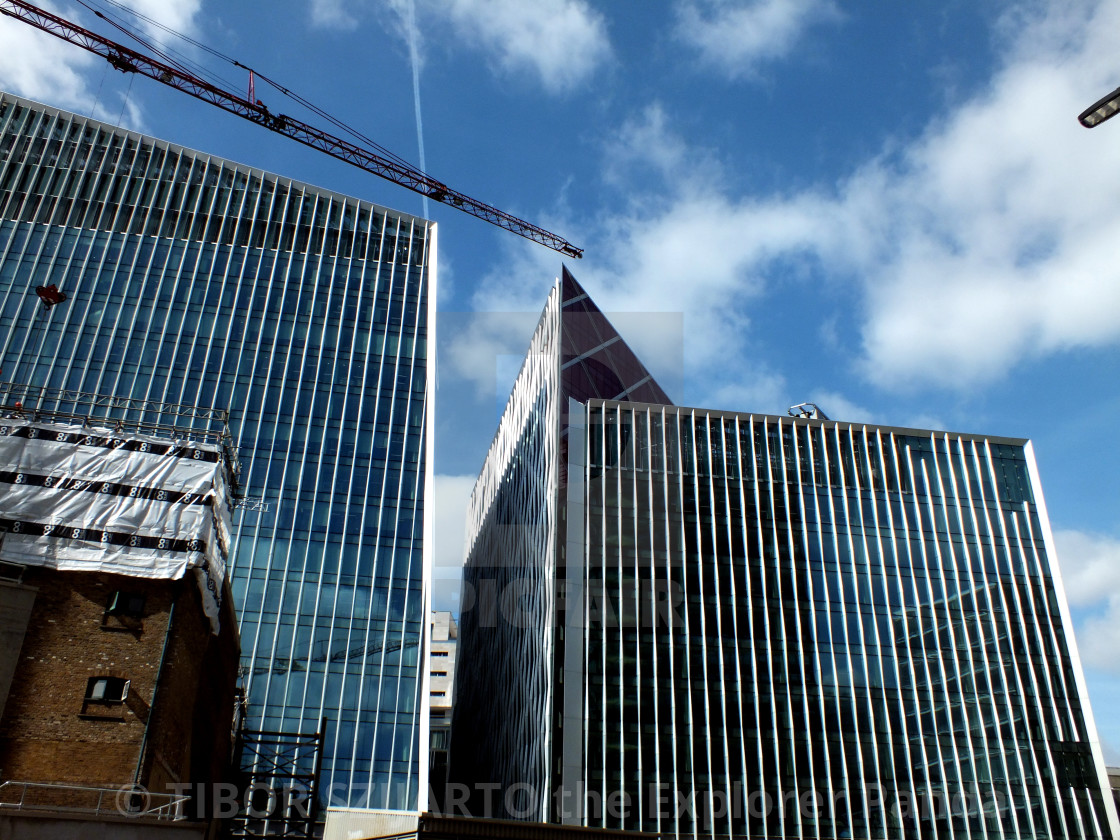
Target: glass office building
(515,522)
(775,627)
(308,314)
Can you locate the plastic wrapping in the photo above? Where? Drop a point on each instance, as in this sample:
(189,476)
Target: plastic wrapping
(77,498)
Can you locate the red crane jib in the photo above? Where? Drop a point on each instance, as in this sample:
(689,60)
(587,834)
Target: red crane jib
(130,61)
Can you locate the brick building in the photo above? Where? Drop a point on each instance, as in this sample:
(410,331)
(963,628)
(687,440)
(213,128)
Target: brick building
(119,647)
(103,699)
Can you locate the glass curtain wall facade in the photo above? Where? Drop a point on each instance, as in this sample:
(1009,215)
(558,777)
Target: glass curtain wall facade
(504,723)
(778,612)
(306,313)
(703,623)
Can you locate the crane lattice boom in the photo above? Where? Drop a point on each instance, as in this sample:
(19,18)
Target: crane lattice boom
(128,60)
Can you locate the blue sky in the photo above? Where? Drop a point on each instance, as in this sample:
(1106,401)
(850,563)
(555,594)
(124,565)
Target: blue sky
(886,208)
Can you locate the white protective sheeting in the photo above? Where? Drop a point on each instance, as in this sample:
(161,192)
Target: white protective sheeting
(93,499)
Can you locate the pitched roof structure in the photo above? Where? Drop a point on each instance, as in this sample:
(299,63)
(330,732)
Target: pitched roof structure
(595,363)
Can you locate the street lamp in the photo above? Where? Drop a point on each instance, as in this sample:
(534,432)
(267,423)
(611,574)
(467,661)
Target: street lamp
(1101,110)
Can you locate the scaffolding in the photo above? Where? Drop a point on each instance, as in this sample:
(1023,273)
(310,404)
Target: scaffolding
(177,420)
(281,784)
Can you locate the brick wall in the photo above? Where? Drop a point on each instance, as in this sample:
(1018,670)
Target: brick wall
(43,734)
(46,735)
(190,737)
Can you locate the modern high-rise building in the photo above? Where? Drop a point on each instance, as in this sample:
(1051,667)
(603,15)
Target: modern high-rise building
(504,723)
(740,624)
(308,314)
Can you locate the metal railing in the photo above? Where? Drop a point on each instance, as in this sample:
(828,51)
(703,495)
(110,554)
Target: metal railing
(39,403)
(35,396)
(125,801)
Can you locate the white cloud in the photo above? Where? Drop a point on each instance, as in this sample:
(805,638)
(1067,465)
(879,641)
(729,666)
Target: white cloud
(647,143)
(752,389)
(179,15)
(332,14)
(838,407)
(757,389)
(472,345)
(1111,753)
(127,115)
(987,241)
(1090,565)
(688,249)
(994,223)
(50,70)
(561,42)
(738,35)
(42,67)
(452,493)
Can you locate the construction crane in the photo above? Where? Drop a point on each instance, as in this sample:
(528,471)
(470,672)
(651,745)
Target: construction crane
(128,60)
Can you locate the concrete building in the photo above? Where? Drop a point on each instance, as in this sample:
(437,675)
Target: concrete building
(120,655)
(737,624)
(441,690)
(195,280)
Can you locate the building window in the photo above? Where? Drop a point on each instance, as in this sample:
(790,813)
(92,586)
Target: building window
(439,673)
(10,571)
(439,694)
(439,653)
(127,604)
(105,697)
(124,611)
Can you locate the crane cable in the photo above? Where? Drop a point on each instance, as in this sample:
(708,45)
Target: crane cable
(193,68)
(163,51)
(129,60)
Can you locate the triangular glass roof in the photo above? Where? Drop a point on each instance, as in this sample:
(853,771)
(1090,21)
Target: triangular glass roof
(595,363)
